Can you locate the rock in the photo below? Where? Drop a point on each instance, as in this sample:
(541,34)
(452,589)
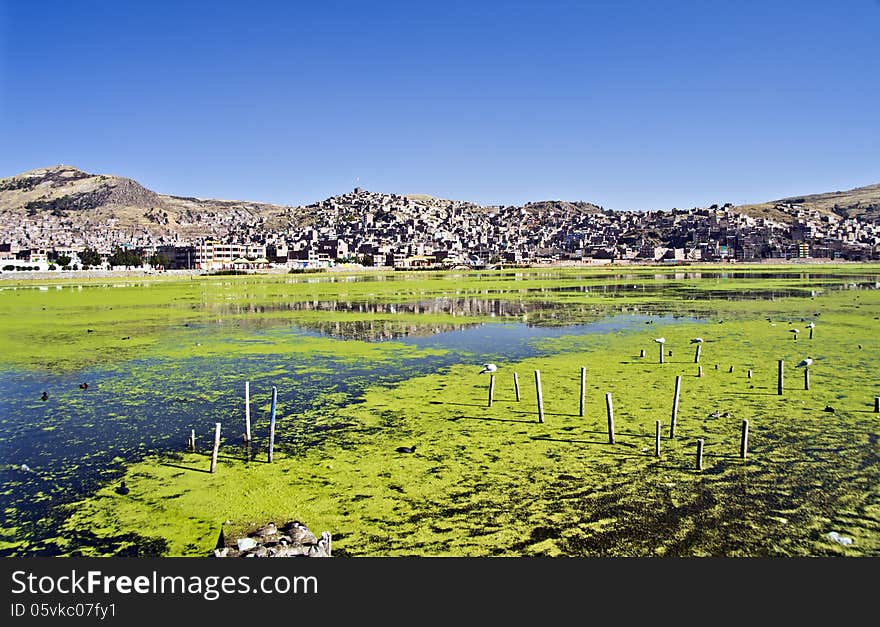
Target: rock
(246,544)
(836,537)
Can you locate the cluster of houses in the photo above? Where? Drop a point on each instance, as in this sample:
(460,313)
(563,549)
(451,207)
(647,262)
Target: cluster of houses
(373,229)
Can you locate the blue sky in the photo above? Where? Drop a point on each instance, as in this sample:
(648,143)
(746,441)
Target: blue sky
(631,105)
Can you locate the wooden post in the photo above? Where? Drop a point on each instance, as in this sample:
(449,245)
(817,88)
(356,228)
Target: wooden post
(811,333)
(516,385)
(675,406)
(697,354)
(657,438)
(780,376)
(731,369)
(540,397)
(642,353)
(699,371)
(216,447)
(583,390)
(669,354)
(661,353)
(877,404)
(700,454)
(610,409)
(247,411)
(750,373)
(744,440)
(716,366)
(192,440)
(272,423)
(491,388)
(806,377)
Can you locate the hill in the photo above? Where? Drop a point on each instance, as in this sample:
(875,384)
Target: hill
(861,202)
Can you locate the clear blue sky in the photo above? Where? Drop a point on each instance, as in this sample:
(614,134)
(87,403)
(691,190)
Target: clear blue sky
(632,105)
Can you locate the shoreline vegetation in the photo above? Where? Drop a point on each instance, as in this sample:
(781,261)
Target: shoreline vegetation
(491,479)
(351,268)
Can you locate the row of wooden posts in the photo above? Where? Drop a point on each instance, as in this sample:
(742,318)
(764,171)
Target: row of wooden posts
(609,407)
(744,438)
(247,427)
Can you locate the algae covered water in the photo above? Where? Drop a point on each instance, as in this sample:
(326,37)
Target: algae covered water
(360,364)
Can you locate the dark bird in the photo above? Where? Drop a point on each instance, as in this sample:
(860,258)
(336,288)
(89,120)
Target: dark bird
(90,330)
(860,347)
(84,386)
(44,397)
(269,529)
(406,449)
(829,408)
(697,340)
(127,338)
(122,489)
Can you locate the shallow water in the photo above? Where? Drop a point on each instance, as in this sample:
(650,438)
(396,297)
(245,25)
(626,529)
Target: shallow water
(78,439)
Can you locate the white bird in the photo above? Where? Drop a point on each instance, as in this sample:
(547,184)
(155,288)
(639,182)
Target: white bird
(697,340)
(660,340)
(489,368)
(805,363)
(811,325)
(795,331)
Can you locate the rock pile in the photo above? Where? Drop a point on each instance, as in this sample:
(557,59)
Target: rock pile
(292,539)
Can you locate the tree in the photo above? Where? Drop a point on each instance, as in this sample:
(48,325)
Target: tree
(159,259)
(90,257)
(124,258)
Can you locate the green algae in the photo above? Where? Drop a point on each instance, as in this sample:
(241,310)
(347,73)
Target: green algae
(493,481)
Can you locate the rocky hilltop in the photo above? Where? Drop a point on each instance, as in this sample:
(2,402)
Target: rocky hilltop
(83,201)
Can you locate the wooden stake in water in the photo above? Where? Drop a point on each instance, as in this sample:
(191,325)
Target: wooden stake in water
(192,440)
(610,409)
(697,353)
(657,438)
(807,378)
(272,423)
(731,369)
(780,376)
(675,406)
(750,374)
(540,396)
(700,454)
(216,447)
(744,440)
(877,404)
(699,371)
(516,385)
(491,388)
(247,411)
(583,390)
(661,353)
(811,333)
(642,353)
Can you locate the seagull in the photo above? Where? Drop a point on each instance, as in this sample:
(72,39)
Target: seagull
(811,325)
(489,368)
(805,363)
(660,340)
(697,340)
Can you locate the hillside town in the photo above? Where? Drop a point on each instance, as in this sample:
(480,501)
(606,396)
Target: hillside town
(373,229)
